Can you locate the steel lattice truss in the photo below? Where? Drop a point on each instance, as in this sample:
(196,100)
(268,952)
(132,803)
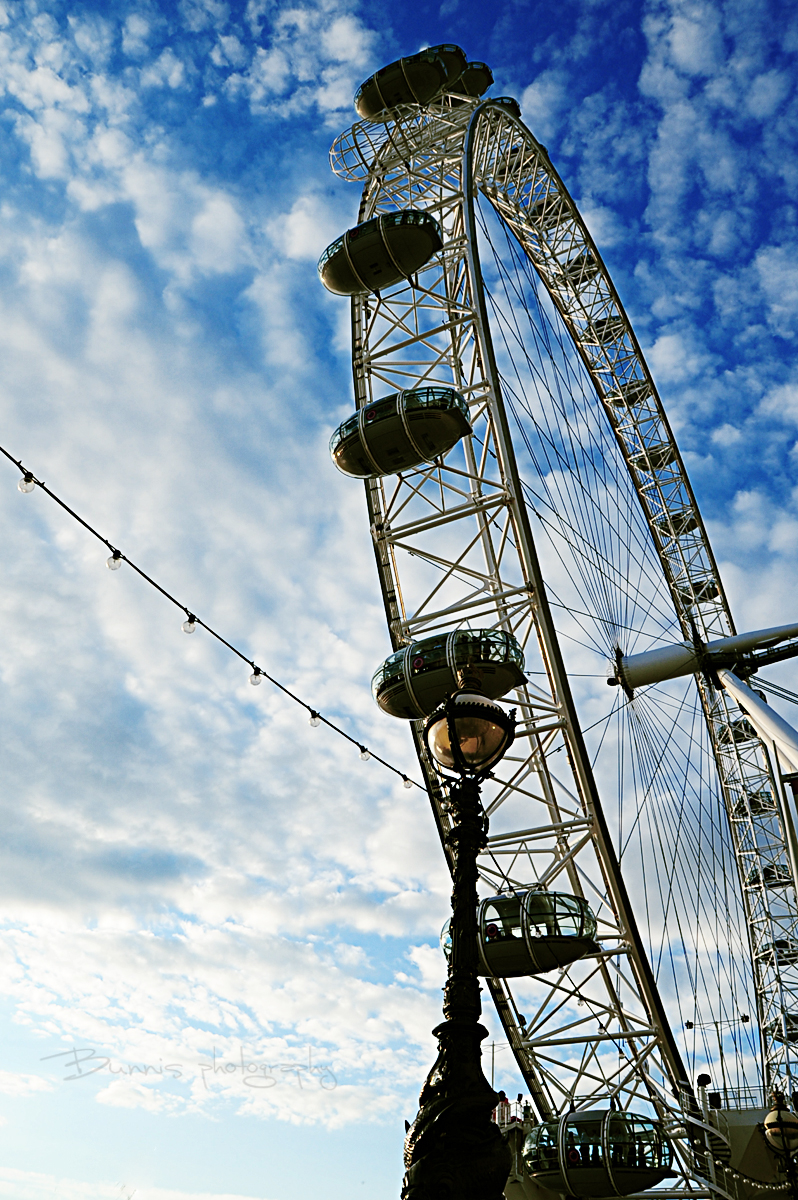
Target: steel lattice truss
(455,548)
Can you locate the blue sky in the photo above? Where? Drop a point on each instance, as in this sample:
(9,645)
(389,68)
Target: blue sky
(187,867)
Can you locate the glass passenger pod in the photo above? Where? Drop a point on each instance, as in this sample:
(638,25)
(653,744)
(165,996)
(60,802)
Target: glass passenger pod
(785,950)
(529,933)
(412,80)
(474,82)
(400,431)
(547,212)
(582,268)
(758,803)
(703,590)
(785,1029)
(608,329)
(677,524)
(630,394)
(378,253)
(598,1153)
(773,875)
(654,458)
(509,105)
(739,731)
(413,681)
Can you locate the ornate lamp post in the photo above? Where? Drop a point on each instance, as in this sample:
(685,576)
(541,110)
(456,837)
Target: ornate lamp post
(453,1150)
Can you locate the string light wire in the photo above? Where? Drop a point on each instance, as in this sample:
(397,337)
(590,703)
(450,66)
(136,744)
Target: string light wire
(29,481)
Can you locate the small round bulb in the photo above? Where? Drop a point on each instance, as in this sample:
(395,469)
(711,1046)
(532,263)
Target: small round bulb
(190,624)
(365,754)
(408,783)
(315,720)
(26,483)
(114,562)
(256,677)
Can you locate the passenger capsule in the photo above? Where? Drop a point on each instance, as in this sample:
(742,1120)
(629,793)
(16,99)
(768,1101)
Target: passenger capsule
(412,80)
(598,1153)
(676,524)
(400,431)
(702,591)
(785,950)
(474,81)
(380,252)
(757,803)
(582,268)
(737,731)
(509,104)
(548,211)
(654,458)
(784,1030)
(529,933)
(416,679)
(636,391)
(608,329)
(773,875)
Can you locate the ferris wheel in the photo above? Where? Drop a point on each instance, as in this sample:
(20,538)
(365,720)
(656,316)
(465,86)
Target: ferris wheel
(532,519)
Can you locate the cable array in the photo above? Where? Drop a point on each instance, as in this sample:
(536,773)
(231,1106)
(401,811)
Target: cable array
(29,481)
(776,689)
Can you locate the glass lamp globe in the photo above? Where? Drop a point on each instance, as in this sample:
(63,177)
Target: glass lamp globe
(781,1128)
(470,733)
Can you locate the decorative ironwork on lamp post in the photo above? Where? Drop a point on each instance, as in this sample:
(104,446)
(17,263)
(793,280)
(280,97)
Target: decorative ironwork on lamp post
(453,1148)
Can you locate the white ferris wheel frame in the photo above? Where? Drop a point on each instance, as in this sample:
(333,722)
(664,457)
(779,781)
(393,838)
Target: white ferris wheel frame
(434,330)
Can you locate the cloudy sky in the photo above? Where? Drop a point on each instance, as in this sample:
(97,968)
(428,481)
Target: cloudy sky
(193,880)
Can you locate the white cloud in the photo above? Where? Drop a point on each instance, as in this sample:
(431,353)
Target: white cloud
(675,358)
(218,236)
(726,435)
(781,402)
(135,34)
(778,277)
(204,14)
(167,71)
(32,1185)
(12,1084)
(317,54)
(94,37)
(694,38)
(229,51)
(543,103)
(307,229)
(766,92)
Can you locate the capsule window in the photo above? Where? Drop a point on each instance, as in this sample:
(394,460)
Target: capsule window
(583,1146)
(501,920)
(540,1151)
(555,914)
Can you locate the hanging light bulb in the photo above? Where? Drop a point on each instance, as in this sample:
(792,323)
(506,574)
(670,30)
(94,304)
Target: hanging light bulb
(190,624)
(114,562)
(365,754)
(256,677)
(315,719)
(408,783)
(27,483)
